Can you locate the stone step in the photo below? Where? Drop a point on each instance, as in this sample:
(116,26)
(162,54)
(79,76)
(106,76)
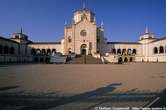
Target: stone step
(81,60)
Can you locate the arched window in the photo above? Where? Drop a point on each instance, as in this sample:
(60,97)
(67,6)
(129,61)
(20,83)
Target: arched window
(12,50)
(155,50)
(43,52)
(114,51)
(134,51)
(83,33)
(48,51)
(33,51)
(129,52)
(83,46)
(119,51)
(161,49)
(6,50)
(1,49)
(124,51)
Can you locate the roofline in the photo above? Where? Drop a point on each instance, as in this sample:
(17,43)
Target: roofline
(81,21)
(9,40)
(20,38)
(20,33)
(123,43)
(36,43)
(85,9)
(147,38)
(159,39)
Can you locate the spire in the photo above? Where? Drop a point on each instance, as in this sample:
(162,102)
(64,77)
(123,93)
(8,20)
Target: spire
(65,23)
(146,30)
(83,4)
(102,24)
(21,30)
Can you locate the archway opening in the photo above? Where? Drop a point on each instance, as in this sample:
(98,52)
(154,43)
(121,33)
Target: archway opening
(125,59)
(161,49)
(129,52)
(38,51)
(43,51)
(33,51)
(54,51)
(120,60)
(83,49)
(124,52)
(155,50)
(48,51)
(118,51)
(114,51)
(131,59)
(6,50)
(134,51)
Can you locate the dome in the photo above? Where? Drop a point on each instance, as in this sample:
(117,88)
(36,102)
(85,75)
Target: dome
(84,14)
(147,35)
(84,10)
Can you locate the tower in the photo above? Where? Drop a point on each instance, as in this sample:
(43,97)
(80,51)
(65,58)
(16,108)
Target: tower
(81,36)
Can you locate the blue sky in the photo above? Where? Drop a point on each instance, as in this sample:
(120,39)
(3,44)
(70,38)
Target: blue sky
(43,20)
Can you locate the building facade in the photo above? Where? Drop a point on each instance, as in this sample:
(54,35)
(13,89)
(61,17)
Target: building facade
(83,36)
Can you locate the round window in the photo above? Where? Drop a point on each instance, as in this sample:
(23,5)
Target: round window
(83,33)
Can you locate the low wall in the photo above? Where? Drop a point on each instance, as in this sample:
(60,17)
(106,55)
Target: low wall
(151,59)
(14,59)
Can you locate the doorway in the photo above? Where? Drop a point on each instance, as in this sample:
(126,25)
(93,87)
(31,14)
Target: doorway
(83,51)
(120,60)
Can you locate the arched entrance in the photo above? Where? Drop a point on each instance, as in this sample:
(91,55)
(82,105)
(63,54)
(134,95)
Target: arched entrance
(125,59)
(120,60)
(131,59)
(83,49)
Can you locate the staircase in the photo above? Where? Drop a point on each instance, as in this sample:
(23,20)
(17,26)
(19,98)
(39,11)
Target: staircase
(85,60)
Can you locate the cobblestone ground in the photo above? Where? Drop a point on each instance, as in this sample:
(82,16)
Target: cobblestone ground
(80,87)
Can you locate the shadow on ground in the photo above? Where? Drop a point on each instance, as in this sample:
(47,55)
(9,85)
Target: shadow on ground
(8,88)
(162,100)
(46,102)
(104,96)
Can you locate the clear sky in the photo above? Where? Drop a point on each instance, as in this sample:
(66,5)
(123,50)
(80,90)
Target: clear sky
(43,20)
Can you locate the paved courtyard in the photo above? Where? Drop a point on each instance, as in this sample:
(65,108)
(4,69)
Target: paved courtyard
(69,84)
